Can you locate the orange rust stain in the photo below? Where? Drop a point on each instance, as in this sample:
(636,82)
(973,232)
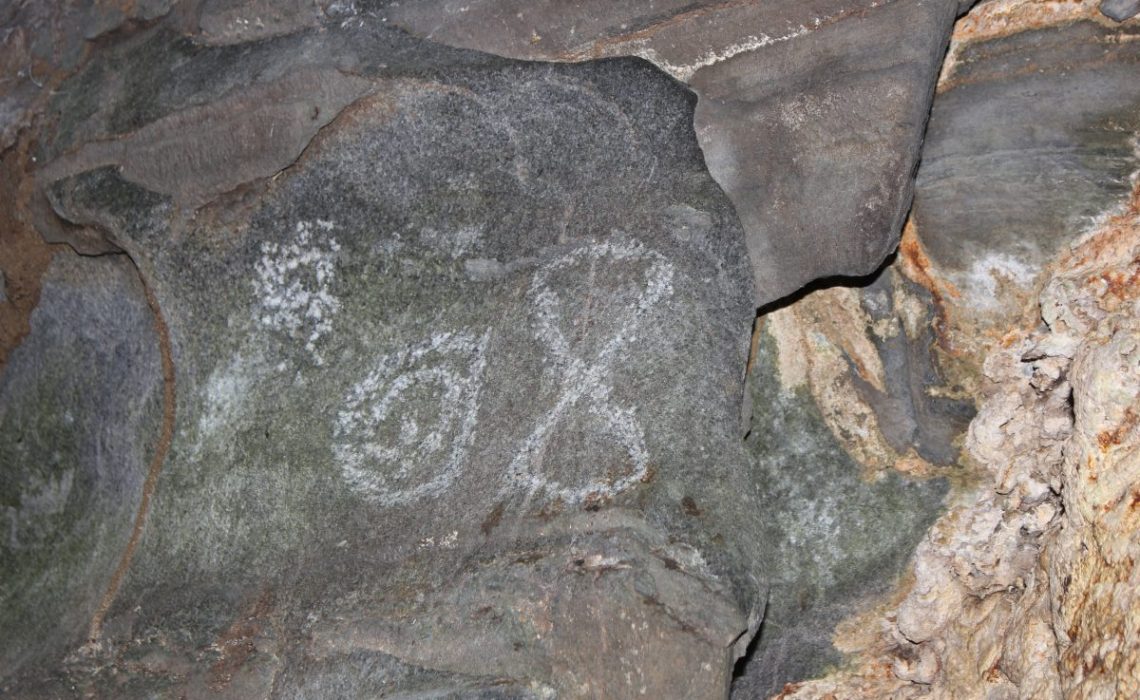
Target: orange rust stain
(916,265)
(24,255)
(1112,438)
(861,368)
(788,690)
(166,437)
(1121,231)
(994,674)
(1121,285)
(1007,341)
(1003,18)
(237,642)
(1134,503)
(1007,17)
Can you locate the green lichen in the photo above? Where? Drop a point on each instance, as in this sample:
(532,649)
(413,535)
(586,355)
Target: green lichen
(835,539)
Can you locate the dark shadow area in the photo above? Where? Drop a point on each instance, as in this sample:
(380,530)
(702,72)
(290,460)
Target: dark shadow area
(822,283)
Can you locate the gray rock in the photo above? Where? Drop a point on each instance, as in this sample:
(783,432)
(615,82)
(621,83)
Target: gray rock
(43,41)
(1120,10)
(912,411)
(811,114)
(457,390)
(80,417)
(1019,163)
(835,540)
(817,138)
(239,21)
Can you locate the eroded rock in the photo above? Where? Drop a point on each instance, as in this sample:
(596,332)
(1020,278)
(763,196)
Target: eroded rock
(1019,162)
(838,533)
(446,385)
(1120,10)
(80,418)
(1026,587)
(811,114)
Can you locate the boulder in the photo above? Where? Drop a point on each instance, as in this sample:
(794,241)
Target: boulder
(811,114)
(458,345)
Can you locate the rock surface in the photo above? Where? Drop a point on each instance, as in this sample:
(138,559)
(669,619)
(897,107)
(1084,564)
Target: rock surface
(80,417)
(1019,590)
(1016,161)
(837,534)
(1026,587)
(1120,10)
(410,371)
(455,346)
(811,114)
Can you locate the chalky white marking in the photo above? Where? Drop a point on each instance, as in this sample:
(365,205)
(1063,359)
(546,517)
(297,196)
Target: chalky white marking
(685,71)
(981,280)
(293,283)
(379,463)
(589,381)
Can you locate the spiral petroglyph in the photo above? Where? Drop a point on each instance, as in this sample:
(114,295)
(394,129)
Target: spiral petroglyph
(404,430)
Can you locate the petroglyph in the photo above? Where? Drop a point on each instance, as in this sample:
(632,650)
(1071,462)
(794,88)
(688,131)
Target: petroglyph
(293,286)
(585,379)
(405,429)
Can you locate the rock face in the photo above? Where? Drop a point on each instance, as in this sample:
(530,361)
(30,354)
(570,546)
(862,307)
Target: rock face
(458,389)
(836,533)
(1120,10)
(821,102)
(340,358)
(80,417)
(1020,589)
(1026,587)
(1016,162)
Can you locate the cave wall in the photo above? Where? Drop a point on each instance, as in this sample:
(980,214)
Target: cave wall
(498,349)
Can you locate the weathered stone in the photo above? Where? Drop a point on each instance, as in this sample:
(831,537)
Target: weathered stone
(817,139)
(41,42)
(446,385)
(1120,10)
(1027,587)
(1017,163)
(835,538)
(238,21)
(811,114)
(1024,588)
(201,152)
(870,358)
(80,416)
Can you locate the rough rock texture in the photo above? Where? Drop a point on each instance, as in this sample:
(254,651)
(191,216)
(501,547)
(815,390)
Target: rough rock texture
(836,536)
(811,114)
(424,374)
(1025,588)
(870,359)
(42,41)
(1032,136)
(80,417)
(1120,10)
(458,390)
